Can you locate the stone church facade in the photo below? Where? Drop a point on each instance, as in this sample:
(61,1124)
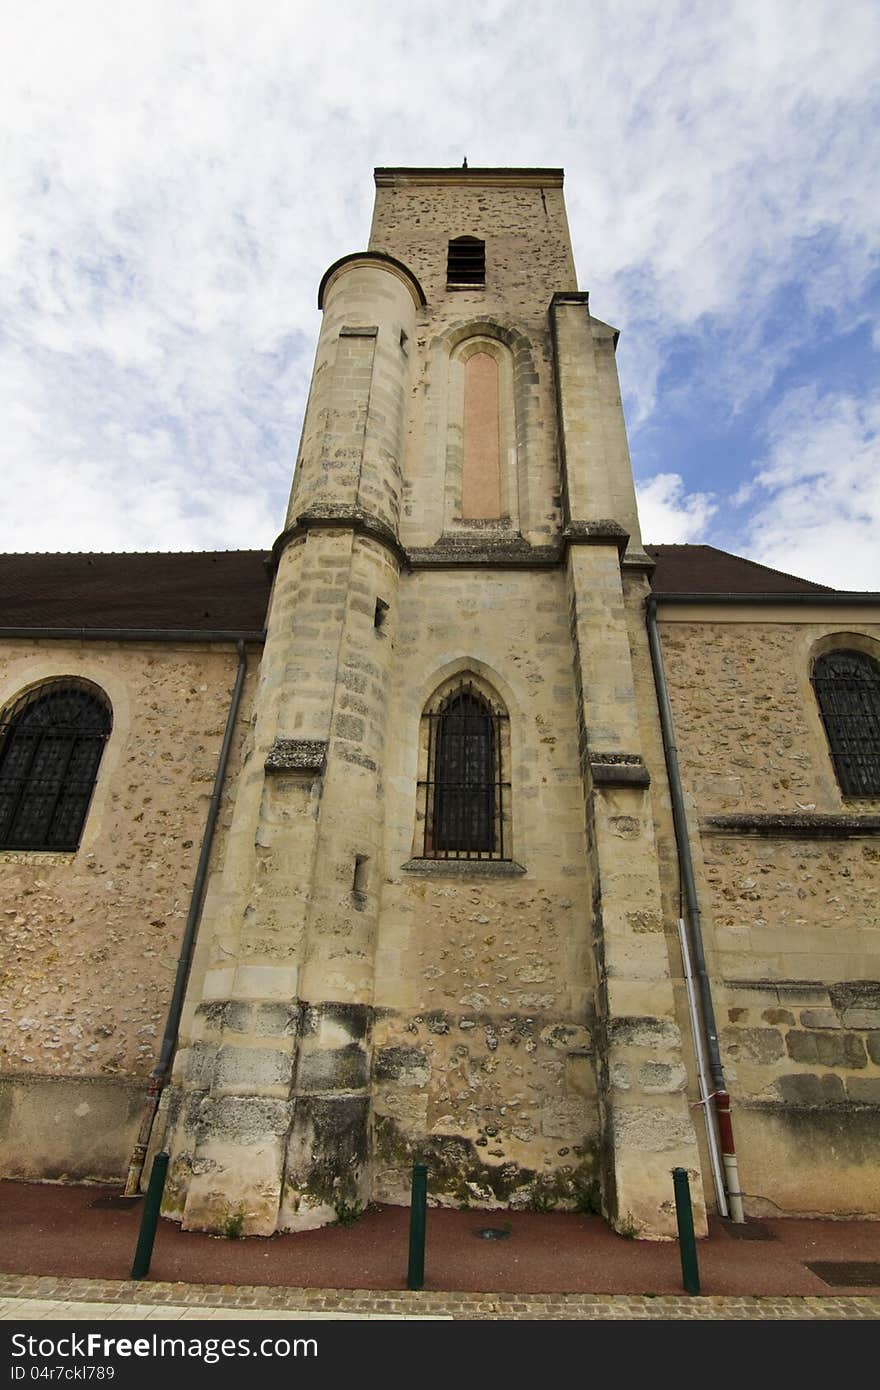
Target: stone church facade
(467,752)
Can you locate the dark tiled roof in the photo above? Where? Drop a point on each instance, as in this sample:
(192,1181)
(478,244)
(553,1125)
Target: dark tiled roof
(210,590)
(228,590)
(701,569)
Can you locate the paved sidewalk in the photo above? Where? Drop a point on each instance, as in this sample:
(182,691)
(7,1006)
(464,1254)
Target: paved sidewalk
(66,1252)
(47,1299)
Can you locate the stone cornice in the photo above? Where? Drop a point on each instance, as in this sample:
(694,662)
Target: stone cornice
(484,178)
(792,826)
(458,551)
(598,532)
(340,517)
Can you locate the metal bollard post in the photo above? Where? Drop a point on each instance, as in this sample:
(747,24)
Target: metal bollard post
(684,1215)
(150,1217)
(415,1274)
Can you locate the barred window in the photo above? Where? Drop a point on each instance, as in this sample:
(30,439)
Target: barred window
(51,742)
(465,794)
(466,261)
(847,686)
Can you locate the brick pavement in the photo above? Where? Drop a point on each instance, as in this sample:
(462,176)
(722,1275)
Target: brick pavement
(24,1297)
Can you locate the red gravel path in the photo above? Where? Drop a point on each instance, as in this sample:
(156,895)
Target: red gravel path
(75,1232)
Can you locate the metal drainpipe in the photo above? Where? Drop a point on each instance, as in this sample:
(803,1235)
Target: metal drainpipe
(720,1096)
(159,1074)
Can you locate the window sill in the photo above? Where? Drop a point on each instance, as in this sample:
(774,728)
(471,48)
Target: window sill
(464,868)
(37,856)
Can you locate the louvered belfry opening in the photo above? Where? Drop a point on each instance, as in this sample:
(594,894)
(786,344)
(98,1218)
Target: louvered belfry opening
(465,791)
(466,261)
(847,685)
(51,743)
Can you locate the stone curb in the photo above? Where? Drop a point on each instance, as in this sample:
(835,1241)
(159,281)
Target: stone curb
(401,1303)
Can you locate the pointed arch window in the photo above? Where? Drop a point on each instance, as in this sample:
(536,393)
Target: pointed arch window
(51,743)
(465,792)
(847,686)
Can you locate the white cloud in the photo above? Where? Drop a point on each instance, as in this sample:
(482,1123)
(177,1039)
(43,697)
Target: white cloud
(668,515)
(177,178)
(818,512)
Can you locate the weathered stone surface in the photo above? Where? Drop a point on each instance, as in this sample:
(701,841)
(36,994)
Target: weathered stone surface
(645,1032)
(661,1077)
(819,1018)
(296,755)
(408,1066)
(332,1069)
(648,1130)
(753,1044)
(826,1048)
(865,1090)
(808,1089)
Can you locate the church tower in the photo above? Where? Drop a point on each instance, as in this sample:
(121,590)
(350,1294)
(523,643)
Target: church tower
(439,931)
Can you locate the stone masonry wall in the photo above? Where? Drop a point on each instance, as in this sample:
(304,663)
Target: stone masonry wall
(91,938)
(791,922)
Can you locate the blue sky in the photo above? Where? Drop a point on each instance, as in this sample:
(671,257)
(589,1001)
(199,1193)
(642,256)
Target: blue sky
(177,177)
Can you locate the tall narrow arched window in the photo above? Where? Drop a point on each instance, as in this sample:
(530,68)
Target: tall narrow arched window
(847,685)
(465,792)
(481,463)
(51,742)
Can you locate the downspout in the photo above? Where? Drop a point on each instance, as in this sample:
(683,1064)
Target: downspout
(159,1074)
(719,1099)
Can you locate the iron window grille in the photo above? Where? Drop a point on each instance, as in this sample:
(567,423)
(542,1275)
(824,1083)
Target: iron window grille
(847,686)
(51,742)
(466,261)
(464,797)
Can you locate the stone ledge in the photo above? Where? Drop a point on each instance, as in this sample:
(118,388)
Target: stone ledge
(598,532)
(339,516)
(781,1107)
(619,770)
(489,868)
(297,755)
(455,552)
(765,985)
(792,826)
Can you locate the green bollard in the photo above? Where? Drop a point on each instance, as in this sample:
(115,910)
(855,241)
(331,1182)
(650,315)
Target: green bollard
(150,1217)
(684,1215)
(415,1274)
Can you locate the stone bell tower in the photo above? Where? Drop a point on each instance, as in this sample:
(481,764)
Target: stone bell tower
(438,927)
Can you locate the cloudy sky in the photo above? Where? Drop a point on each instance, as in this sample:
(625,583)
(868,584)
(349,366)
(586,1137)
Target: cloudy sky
(177,177)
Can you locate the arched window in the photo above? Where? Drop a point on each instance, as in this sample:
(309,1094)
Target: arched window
(51,741)
(847,685)
(465,793)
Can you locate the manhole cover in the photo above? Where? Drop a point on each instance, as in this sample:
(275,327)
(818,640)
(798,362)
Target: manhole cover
(748,1230)
(852,1273)
(116,1201)
(492,1233)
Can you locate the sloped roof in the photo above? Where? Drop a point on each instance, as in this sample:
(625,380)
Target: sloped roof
(199,590)
(703,569)
(228,590)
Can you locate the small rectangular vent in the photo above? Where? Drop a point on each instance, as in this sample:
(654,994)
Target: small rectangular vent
(466,261)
